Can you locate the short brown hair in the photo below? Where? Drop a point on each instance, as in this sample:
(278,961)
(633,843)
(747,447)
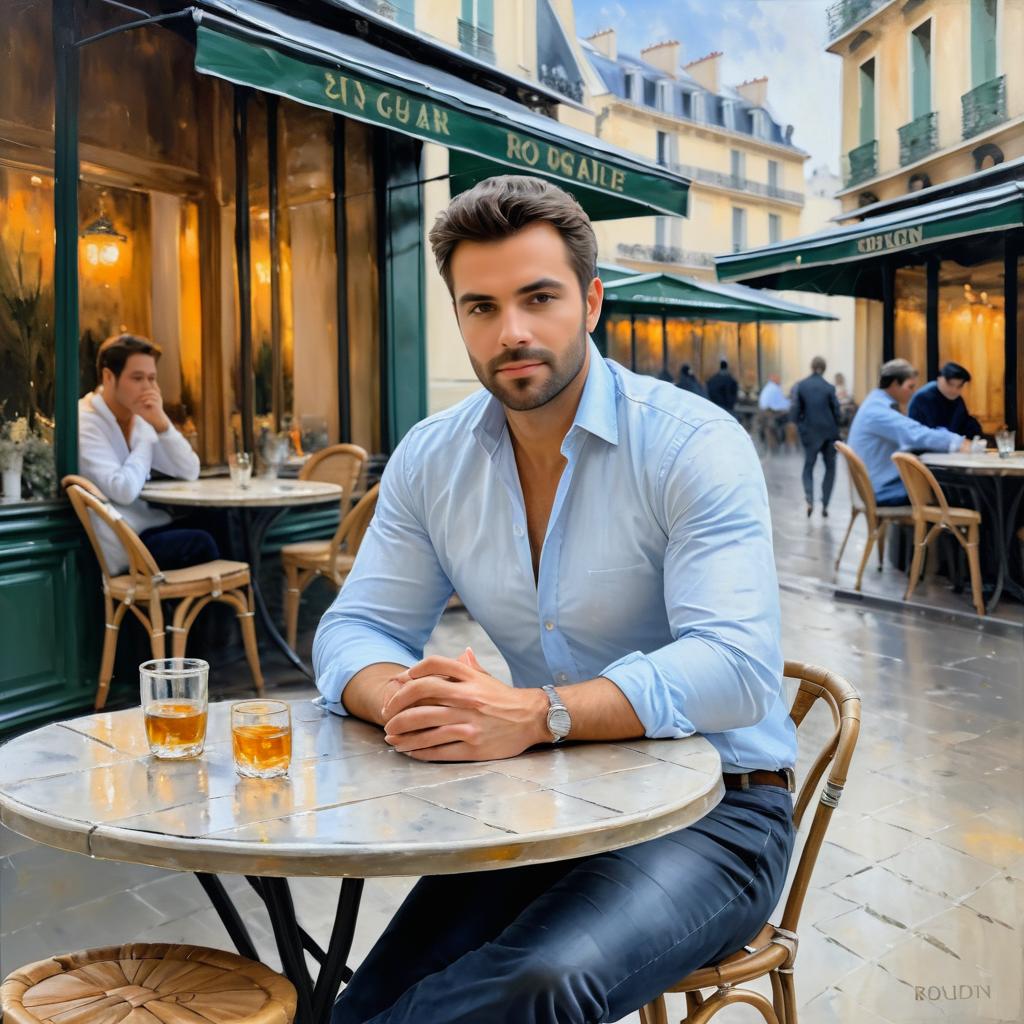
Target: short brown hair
(500,207)
(114,352)
(896,371)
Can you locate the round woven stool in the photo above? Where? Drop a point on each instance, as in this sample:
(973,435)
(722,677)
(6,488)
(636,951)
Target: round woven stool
(147,983)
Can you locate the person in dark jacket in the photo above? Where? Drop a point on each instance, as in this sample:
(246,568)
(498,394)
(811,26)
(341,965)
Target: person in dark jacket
(723,388)
(941,403)
(817,419)
(688,381)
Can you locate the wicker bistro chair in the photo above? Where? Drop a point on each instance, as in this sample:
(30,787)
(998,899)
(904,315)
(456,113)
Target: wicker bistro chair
(144,588)
(147,983)
(862,502)
(340,464)
(332,559)
(773,951)
(931,515)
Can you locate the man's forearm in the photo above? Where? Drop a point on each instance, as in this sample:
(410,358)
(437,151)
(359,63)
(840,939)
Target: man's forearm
(365,692)
(599,711)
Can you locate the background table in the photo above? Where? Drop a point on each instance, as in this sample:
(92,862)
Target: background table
(260,505)
(351,807)
(968,470)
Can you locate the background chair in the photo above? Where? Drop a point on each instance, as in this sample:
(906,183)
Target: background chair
(773,952)
(332,559)
(145,981)
(340,464)
(144,588)
(932,514)
(862,502)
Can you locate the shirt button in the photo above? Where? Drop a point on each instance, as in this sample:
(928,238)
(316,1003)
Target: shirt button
(549,626)
(563,677)
(517,530)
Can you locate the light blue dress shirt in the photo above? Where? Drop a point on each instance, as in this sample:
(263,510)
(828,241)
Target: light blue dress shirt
(879,429)
(656,571)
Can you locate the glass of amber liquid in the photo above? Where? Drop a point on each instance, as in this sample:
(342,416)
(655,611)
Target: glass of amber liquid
(174,693)
(261,738)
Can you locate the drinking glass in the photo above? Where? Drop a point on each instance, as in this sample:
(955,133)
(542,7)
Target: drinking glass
(978,446)
(261,738)
(174,693)
(1005,440)
(240,467)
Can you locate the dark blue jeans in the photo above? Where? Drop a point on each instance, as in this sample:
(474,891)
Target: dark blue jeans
(587,940)
(827,451)
(174,548)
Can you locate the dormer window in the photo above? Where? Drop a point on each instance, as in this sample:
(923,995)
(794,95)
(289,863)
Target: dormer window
(698,109)
(664,99)
(634,87)
(729,114)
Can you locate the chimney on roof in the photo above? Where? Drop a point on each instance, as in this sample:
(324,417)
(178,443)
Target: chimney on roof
(664,56)
(604,42)
(705,71)
(755,91)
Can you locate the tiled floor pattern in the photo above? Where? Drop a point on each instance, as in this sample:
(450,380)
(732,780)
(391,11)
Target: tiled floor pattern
(916,911)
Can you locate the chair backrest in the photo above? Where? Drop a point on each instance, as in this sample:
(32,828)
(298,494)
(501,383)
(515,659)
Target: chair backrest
(860,480)
(354,525)
(339,464)
(920,482)
(843,702)
(88,500)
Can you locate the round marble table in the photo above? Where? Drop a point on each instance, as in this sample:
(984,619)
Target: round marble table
(966,469)
(351,807)
(260,504)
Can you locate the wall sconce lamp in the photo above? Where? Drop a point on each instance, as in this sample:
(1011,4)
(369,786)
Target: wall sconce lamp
(101,246)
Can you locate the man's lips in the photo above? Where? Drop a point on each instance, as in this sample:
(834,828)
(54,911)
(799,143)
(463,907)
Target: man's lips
(519,369)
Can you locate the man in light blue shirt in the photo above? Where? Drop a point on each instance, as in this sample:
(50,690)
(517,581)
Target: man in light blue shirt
(611,534)
(879,430)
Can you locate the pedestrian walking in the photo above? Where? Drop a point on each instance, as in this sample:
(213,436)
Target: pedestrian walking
(723,388)
(689,381)
(817,420)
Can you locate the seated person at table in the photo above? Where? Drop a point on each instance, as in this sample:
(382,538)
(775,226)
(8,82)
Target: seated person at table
(610,533)
(941,403)
(123,433)
(879,430)
(773,409)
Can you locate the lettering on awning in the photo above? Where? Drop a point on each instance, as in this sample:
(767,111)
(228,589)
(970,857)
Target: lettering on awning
(564,162)
(388,105)
(899,238)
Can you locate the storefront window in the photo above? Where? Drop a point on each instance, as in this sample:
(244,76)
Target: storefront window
(27,365)
(971,332)
(910,327)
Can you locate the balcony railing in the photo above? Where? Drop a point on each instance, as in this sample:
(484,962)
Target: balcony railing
(666,254)
(738,184)
(846,13)
(919,138)
(475,41)
(984,106)
(558,79)
(862,163)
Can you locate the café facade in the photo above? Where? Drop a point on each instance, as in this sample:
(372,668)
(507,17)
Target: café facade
(243,182)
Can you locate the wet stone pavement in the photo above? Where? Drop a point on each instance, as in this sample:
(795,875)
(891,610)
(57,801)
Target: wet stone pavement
(916,909)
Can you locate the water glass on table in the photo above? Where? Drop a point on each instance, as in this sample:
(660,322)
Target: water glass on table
(240,468)
(261,738)
(174,705)
(1005,440)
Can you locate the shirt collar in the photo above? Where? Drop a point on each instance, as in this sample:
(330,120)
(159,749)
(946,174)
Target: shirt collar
(597,413)
(102,408)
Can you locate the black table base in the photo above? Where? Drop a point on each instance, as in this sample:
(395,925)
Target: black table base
(315,998)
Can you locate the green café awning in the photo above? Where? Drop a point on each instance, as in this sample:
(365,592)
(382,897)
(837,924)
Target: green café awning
(691,299)
(846,261)
(486,133)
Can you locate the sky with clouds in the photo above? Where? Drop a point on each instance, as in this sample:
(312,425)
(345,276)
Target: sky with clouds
(783,39)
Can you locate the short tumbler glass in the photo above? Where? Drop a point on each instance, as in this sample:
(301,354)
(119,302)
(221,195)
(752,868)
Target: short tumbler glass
(240,468)
(174,696)
(261,738)
(1005,440)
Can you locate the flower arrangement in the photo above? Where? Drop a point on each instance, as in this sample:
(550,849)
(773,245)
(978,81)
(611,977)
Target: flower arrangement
(13,436)
(26,457)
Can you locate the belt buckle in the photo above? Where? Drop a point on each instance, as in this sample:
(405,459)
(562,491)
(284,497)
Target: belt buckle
(790,776)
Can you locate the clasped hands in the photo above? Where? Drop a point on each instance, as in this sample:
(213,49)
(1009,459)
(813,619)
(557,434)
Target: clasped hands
(451,709)
(150,407)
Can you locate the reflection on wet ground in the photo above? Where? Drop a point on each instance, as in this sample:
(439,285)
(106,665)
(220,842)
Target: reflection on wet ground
(916,910)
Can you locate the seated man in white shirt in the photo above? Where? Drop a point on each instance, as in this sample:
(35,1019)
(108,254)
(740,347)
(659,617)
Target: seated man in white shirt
(123,433)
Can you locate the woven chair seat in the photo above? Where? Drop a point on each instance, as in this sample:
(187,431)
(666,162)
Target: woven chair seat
(192,580)
(315,554)
(744,965)
(960,516)
(147,983)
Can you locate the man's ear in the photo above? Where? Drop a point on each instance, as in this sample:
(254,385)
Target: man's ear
(594,300)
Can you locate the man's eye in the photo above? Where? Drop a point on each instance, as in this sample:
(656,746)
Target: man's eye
(542,298)
(480,307)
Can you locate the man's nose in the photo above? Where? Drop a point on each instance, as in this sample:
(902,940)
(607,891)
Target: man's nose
(513,329)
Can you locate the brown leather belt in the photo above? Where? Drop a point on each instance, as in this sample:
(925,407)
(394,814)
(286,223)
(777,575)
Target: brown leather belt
(784,779)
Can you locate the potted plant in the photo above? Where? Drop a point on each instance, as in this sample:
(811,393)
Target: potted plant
(13,436)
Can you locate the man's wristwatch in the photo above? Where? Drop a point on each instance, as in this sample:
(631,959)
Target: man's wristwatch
(559,722)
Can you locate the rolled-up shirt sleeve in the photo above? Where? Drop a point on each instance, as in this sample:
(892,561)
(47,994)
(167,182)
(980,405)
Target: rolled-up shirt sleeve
(394,595)
(723,671)
(911,434)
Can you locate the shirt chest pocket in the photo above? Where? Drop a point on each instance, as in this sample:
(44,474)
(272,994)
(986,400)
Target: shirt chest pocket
(611,594)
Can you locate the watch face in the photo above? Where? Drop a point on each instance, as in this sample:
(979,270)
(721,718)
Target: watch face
(559,722)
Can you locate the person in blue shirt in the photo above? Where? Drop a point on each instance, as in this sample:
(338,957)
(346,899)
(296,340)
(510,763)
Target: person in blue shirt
(879,430)
(610,532)
(941,402)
